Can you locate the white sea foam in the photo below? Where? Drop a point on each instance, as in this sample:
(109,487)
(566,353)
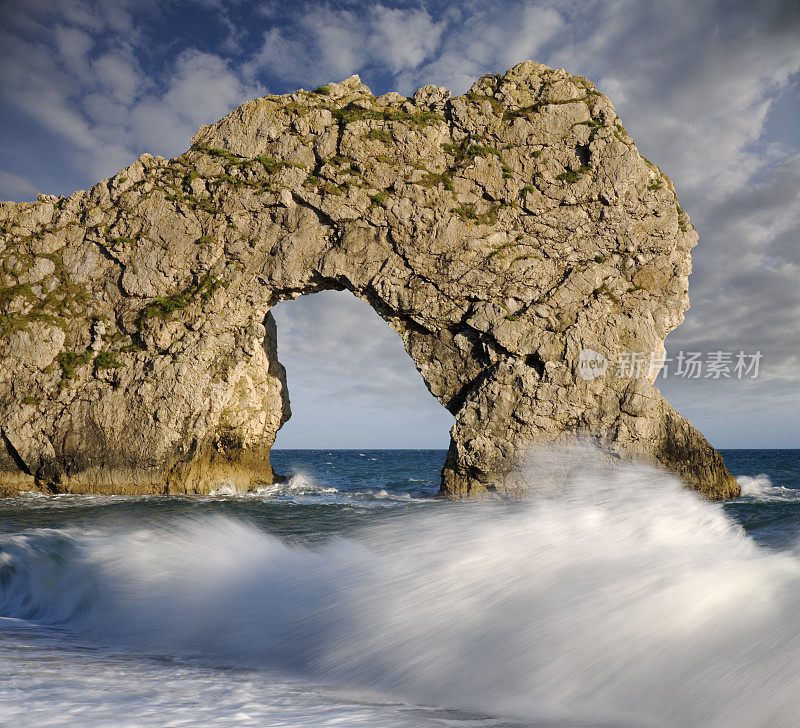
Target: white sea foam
(224,489)
(756,486)
(760,487)
(303,488)
(297,484)
(617,598)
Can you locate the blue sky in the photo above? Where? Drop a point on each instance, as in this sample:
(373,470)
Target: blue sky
(708,89)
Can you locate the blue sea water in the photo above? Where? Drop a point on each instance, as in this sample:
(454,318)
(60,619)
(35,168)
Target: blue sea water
(770,481)
(349,595)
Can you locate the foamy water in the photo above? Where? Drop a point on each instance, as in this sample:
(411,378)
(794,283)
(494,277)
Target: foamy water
(616,599)
(762,488)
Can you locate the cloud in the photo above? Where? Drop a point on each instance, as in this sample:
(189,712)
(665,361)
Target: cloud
(14,186)
(350,380)
(73,46)
(339,347)
(488,38)
(117,73)
(402,38)
(693,86)
(201,89)
(89,87)
(748,276)
(325,42)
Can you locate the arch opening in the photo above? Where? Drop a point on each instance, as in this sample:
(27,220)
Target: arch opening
(351,382)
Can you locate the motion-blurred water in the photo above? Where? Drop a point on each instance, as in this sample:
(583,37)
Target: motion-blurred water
(349,596)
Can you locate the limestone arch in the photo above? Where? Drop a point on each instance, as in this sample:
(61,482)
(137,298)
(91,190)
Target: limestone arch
(449,371)
(499,233)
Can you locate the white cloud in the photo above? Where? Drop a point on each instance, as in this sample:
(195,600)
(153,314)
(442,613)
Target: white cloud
(203,85)
(73,47)
(326,338)
(692,83)
(402,39)
(201,89)
(15,187)
(350,379)
(325,42)
(748,270)
(117,73)
(486,38)
(89,89)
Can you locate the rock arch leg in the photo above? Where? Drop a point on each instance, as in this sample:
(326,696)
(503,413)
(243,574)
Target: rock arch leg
(515,409)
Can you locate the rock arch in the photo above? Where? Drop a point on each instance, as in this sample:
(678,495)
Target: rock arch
(499,233)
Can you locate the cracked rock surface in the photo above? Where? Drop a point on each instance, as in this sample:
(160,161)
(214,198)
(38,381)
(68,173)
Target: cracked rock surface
(499,233)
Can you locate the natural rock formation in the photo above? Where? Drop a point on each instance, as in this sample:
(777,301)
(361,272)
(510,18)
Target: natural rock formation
(499,233)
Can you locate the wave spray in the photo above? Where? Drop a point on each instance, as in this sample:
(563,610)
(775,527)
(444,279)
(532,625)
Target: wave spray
(613,598)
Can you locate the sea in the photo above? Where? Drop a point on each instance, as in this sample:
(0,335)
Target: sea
(349,595)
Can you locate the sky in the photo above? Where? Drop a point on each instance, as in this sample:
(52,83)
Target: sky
(709,89)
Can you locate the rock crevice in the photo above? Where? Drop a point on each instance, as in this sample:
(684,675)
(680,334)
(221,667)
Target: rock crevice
(500,233)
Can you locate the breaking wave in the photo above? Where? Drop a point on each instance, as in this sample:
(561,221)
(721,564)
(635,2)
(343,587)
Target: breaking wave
(615,597)
(761,487)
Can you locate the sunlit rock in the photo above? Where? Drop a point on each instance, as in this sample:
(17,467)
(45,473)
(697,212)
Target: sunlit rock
(500,233)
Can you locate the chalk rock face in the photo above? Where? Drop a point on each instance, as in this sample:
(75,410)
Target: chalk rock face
(513,237)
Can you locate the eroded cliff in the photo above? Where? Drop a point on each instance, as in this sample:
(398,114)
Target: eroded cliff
(499,233)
